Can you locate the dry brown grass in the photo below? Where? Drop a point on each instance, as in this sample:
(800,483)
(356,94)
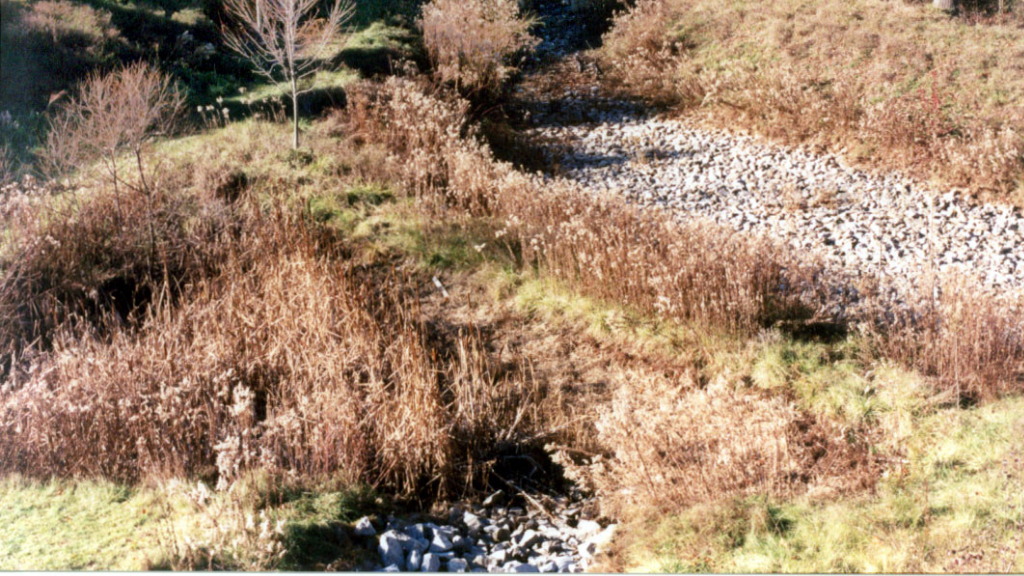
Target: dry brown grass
(970,343)
(292,362)
(898,85)
(72,259)
(674,444)
(474,44)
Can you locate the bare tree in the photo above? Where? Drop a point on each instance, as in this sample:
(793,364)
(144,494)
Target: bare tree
(947,5)
(286,40)
(111,120)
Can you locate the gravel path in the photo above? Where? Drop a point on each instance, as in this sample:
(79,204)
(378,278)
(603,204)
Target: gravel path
(859,223)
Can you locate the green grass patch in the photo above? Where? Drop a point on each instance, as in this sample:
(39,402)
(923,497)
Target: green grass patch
(80,525)
(957,495)
(99,525)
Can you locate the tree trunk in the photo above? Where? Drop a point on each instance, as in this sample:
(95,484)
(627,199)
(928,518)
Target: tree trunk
(295,114)
(947,5)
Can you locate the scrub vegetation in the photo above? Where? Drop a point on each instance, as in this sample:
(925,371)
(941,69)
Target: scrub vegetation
(219,351)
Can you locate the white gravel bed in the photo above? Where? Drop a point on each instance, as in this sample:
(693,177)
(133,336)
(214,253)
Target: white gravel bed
(859,223)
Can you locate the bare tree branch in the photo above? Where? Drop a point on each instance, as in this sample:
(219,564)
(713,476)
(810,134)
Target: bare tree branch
(285,40)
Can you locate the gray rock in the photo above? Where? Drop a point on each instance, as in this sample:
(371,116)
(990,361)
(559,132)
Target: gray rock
(431,563)
(460,544)
(364,527)
(440,542)
(391,568)
(529,538)
(474,523)
(562,563)
(415,560)
(419,531)
(587,528)
(502,534)
(520,567)
(495,499)
(390,550)
(457,565)
(499,557)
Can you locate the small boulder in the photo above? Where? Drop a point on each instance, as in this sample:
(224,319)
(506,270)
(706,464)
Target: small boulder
(390,550)
(364,527)
(475,524)
(562,563)
(496,499)
(440,542)
(460,544)
(457,565)
(528,539)
(418,531)
(415,560)
(502,534)
(587,528)
(431,563)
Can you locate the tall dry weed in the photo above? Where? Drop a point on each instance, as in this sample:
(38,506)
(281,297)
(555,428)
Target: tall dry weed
(291,362)
(474,45)
(970,343)
(72,259)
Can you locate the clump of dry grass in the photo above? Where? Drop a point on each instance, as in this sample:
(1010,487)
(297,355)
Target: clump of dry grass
(970,344)
(648,60)
(473,44)
(73,259)
(898,85)
(674,444)
(289,361)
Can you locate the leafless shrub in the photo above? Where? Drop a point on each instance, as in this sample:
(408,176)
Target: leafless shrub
(115,115)
(473,43)
(285,40)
